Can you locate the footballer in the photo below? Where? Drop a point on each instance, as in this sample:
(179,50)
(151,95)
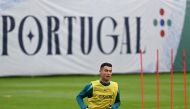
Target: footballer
(101,94)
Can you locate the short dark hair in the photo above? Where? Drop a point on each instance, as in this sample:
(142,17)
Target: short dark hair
(105,64)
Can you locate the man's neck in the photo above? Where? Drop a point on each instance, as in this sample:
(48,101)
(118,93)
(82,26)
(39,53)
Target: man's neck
(105,83)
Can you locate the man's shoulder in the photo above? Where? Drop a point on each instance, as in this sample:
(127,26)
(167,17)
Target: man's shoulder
(95,82)
(113,82)
(88,86)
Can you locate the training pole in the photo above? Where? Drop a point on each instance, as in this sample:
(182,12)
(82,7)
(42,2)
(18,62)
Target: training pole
(142,79)
(185,80)
(171,80)
(157,81)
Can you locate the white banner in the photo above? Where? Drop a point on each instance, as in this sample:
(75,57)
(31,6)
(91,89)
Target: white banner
(42,37)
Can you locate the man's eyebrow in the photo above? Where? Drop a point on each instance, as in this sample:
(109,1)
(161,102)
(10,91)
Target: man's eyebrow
(108,69)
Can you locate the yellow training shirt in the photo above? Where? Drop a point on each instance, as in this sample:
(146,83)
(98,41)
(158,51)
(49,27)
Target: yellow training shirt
(102,96)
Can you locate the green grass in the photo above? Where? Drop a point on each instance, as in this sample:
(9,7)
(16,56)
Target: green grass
(60,92)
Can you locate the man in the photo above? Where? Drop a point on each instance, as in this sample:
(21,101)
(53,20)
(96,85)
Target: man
(103,93)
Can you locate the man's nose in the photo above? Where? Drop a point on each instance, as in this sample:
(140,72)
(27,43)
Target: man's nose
(109,72)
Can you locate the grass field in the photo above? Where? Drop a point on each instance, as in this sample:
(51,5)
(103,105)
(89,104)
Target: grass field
(59,92)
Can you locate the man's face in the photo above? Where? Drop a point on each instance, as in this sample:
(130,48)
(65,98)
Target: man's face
(105,73)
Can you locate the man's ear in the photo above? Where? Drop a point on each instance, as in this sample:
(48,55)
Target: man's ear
(100,70)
